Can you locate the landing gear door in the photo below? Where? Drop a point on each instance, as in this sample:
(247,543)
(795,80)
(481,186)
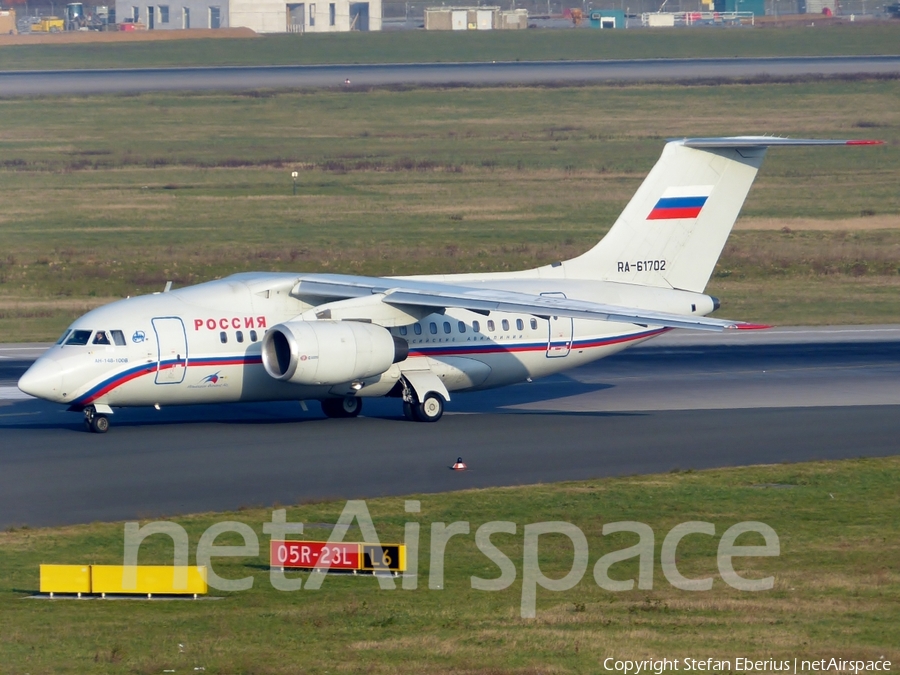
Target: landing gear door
(171,341)
(559,342)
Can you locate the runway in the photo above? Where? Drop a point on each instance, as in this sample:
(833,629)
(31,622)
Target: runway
(29,83)
(683,401)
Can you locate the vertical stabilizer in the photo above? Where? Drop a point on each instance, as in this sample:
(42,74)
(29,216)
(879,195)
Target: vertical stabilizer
(673,230)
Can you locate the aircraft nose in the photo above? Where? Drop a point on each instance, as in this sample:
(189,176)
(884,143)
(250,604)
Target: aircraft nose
(43,380)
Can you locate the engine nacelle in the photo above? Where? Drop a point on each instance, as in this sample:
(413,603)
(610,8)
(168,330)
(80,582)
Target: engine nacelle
(329,352)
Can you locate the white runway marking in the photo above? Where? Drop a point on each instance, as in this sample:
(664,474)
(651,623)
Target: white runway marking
(13,394)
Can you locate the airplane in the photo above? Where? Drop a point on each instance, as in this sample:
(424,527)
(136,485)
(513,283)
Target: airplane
(343,338)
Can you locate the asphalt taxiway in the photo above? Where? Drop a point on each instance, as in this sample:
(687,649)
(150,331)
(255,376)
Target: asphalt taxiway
(685,400)
(61,82)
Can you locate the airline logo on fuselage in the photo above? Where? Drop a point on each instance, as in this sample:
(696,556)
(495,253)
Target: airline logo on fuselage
(234,322)
(214,380)
(681,202)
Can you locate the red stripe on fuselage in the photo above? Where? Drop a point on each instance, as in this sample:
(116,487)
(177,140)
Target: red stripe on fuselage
(118,383)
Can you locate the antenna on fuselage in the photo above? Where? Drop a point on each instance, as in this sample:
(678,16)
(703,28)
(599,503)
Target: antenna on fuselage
(168,287)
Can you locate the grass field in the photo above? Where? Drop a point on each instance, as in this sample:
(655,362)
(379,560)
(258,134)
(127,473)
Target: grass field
(835,589)
(419,47)
(111,196)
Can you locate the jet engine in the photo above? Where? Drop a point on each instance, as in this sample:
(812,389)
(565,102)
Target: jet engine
(329,352)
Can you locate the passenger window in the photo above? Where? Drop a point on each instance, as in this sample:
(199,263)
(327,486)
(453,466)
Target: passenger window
(253,337)
(223,337)
(491,325)
(534,324)
(79,337)
(462,327)
(118,338)
(505,324)
(403,330)
(433,328)
(476,327)
(417,329)
(64,336)
(446,326)
(239,336)
(100,338)
(520,325)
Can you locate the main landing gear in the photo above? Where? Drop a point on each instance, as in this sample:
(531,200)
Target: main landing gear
(341,407)
(95,422)
(429,410)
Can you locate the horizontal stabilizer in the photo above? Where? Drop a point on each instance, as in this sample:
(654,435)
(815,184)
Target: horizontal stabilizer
(764,142)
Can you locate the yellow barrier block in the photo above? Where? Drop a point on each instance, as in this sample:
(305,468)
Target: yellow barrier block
(65,579)
(148,579)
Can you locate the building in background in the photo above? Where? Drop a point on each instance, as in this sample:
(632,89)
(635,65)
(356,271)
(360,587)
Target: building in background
(8,22)
(475,18)
(827,7)
(758,7)
(263,16)
(607,18)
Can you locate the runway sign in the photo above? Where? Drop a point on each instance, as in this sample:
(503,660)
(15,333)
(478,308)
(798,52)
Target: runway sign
(387,557)
(311,554)
(337,556)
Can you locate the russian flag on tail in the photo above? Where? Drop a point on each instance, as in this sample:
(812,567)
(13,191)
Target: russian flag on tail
(681,202)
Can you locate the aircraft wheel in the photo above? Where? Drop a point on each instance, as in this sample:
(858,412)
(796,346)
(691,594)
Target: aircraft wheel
(341,407)
(409,411)
(100,424)
(431,409)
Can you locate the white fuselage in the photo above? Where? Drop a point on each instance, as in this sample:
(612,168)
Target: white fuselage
(202,344)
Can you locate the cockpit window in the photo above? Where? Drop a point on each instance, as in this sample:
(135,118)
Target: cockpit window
(79,337)
(118,337)
(63,337)
(101,338)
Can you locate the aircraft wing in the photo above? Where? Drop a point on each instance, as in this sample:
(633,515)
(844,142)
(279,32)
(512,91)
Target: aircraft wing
(438,296)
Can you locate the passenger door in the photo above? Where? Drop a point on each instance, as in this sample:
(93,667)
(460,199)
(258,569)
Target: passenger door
(559,342)
(171,341)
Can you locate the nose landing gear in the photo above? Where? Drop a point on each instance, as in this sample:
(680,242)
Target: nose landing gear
(95,422)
